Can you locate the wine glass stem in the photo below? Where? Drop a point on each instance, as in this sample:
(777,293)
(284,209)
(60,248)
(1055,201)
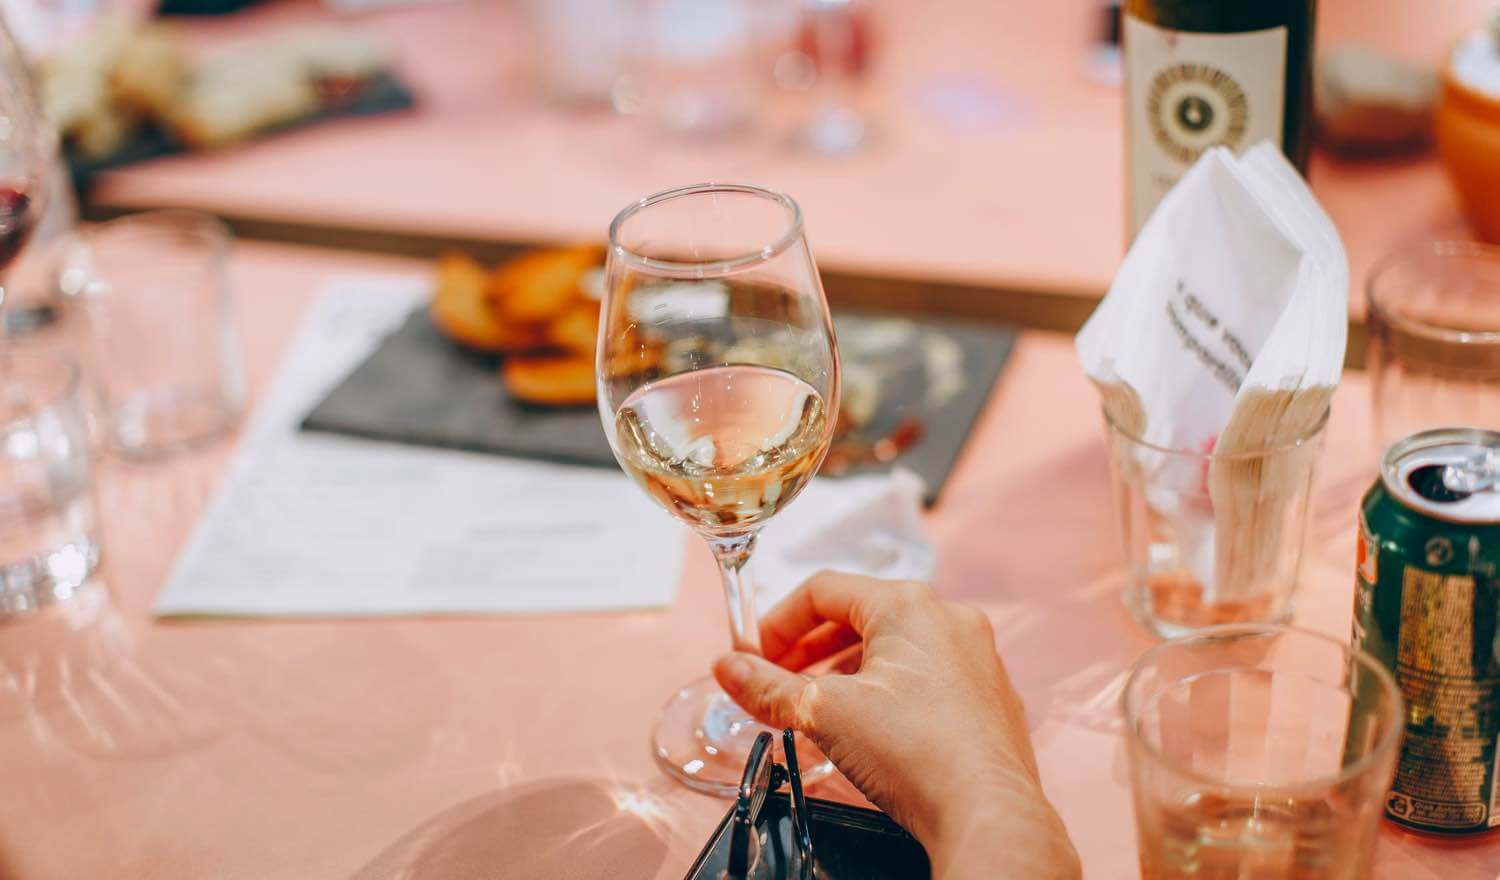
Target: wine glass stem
(733,556)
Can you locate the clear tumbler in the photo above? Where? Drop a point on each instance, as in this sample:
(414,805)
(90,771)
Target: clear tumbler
(165,351)
(1189,565)
(1259,752)
(1434,352)
(49,542)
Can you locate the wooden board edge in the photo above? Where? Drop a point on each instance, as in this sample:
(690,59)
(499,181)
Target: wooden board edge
(1058,312)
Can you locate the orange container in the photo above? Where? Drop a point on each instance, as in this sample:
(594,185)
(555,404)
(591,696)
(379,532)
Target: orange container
(1468,138)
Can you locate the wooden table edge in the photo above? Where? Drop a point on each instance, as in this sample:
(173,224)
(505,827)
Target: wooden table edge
(1029,307)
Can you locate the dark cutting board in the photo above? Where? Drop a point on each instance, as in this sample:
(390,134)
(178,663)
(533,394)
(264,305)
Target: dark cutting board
(383,93)
(418,388)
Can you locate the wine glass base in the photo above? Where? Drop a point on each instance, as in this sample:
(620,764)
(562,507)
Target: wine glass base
(703,740)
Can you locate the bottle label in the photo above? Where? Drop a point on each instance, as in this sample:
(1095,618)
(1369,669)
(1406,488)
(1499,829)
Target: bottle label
(1186,92)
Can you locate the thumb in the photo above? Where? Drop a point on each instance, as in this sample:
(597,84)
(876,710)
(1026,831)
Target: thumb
(762,688)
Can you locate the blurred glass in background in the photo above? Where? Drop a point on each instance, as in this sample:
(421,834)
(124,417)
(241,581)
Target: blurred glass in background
(697,66)
(834,38)
(162,345)
(27,151)
(32,30)
(1433,314)
(48,530)
(580,47)
(712,69)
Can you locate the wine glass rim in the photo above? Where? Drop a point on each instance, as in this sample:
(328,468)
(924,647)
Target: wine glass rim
(1442,249)
(1129,710)
(718,266)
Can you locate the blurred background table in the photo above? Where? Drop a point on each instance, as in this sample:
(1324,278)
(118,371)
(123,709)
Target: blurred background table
(517,746)
(992,185)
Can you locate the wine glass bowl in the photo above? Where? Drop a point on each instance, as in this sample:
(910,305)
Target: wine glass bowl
(718,381)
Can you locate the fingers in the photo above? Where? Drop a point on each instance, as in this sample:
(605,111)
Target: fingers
(826,596)
(769,693)
(824,641)
(848,662)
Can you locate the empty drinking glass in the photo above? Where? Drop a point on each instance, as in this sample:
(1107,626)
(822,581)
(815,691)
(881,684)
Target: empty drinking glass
(48,539)
(699,66)
(1434,355)
(1259,751)
(166,355)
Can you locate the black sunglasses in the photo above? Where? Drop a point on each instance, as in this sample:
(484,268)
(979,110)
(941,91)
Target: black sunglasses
(768,833)
(762,777)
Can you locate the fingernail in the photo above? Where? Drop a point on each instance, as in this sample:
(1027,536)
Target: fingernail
(734,671)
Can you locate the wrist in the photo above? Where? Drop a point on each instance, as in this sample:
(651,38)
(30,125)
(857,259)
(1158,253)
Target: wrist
(966,793)
(1003,828)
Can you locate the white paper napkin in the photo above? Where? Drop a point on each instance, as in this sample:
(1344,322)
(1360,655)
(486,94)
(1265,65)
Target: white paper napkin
(1224,330)
(869,525)
(1237,286)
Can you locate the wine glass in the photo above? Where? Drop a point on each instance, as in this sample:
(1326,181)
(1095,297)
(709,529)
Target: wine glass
(27,145)
(719,388)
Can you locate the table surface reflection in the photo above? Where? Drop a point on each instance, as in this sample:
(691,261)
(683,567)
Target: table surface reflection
(463,747)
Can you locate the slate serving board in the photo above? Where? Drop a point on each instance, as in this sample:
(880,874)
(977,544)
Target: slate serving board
(418,388)
(383,93)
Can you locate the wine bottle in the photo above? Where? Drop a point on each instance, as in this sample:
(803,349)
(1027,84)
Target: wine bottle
(1203,73)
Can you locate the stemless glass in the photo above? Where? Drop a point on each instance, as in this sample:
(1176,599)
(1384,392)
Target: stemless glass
(1259,751)
(1180,577)
(154,290)
(49,540)
(719,388)
(1434,350)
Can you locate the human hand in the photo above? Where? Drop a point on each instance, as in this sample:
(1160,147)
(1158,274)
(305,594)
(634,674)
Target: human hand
(929,727)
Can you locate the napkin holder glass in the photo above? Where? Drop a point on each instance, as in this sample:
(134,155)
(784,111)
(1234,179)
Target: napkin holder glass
(769,832)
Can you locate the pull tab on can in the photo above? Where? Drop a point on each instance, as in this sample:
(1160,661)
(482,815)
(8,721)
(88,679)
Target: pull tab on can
(1478,472)
(1452,474)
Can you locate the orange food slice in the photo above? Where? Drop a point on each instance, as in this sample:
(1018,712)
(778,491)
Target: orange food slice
(577,329)
(538,287)
(462,310)
(550,381)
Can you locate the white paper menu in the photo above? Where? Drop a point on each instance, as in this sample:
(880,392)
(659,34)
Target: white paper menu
(320,525)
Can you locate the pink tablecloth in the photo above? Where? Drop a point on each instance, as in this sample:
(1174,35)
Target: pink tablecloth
(516,746)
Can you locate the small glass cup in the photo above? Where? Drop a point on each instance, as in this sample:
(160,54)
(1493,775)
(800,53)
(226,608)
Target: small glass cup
(1434,339)
(49,542)
(698,66)
(579,47)
(1259,751)
(166,354)
(1164,499)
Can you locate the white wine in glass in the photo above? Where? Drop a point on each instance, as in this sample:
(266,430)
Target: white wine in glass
(718,388)
(723,448)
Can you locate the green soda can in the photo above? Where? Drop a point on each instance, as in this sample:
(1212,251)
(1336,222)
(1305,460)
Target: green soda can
(1427,605)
